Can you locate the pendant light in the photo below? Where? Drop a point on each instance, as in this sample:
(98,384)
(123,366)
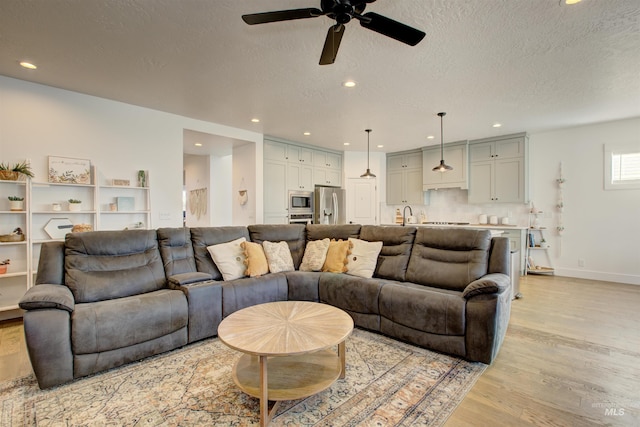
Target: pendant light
(442,167)
(368,173)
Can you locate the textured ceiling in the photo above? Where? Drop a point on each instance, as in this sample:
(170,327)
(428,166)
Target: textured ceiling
(532,65)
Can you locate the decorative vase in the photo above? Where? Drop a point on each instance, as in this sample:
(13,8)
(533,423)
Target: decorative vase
(74,207)
(16,205)
(3,269)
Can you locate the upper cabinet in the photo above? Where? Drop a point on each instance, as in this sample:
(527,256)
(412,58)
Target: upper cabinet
(498,169)
(404,178)
(455,155)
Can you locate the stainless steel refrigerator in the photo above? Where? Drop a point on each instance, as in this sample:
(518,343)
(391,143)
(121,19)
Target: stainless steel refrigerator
(329,206)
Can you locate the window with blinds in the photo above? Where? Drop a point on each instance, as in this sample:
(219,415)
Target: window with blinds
(622,167)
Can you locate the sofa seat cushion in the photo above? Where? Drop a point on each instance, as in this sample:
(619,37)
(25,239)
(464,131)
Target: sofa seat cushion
(436,311)
(202,237)
(449,258)
(293,234)
(101,265)
(350,293)
(117,323)
(241,293)
(396,249)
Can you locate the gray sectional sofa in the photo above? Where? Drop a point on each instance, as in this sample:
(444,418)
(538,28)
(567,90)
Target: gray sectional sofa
(103,299)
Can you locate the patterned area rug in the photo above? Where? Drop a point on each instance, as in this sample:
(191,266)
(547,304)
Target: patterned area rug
(388,383)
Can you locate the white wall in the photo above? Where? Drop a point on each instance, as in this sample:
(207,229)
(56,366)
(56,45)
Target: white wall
(244,178)
(37,121)
(196,174)
(602,228)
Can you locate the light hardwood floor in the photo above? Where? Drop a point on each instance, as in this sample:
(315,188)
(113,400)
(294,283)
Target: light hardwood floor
(571,357)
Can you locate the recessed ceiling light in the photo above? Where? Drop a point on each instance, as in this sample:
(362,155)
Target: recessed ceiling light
(307,133)
(349,83)
(347,143)
(497,125)
(430,137)
(380,146)
(197,144)
(28,65)
(572,1)
(255,120)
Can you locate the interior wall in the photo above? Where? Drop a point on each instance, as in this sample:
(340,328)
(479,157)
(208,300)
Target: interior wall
(37,121)
(244,179)
(600,240)
(221,168)
(196,170)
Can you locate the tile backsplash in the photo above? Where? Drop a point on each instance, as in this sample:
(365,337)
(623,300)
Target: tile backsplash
(452,205)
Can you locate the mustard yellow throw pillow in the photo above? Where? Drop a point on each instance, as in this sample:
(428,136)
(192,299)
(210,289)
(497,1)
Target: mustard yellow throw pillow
(255,260)
(336,261)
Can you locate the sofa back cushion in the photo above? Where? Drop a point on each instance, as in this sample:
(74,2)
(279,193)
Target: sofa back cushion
(201,237)
(103,265)
(176,251)
(397,242)
(448,258)
(338,232)
(293,234)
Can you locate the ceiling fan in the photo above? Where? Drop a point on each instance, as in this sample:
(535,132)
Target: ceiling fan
(342,11)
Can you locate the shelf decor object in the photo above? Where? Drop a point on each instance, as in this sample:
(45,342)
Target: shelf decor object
(560,206)
(69,171)
(57,228)
(12,173)
(125,203)
(3,265)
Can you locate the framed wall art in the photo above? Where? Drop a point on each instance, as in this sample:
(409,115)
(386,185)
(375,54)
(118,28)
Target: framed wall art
(66,170)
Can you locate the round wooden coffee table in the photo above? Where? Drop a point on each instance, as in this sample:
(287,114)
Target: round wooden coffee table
(288,350)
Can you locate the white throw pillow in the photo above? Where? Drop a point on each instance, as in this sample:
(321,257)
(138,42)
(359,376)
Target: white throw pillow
(314,255)
(278,256)
(229,258)
(363,258)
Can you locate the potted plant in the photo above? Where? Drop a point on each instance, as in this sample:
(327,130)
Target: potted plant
(543,243)
(75,204)
(16,203)
(3,265)
(12,173)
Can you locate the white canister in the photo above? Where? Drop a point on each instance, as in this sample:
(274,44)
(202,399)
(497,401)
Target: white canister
(493,220)
(505,220)
(482,219)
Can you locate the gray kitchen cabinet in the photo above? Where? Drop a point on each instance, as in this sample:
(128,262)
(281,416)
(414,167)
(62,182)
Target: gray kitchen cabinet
(299,154)
(404,178)
(498,169)
(325,159)
(274,151)
(275,191)
(456,156)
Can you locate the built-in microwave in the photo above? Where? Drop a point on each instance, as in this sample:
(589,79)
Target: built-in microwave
(300,202)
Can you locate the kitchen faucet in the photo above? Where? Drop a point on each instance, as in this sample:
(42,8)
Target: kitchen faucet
(404,216)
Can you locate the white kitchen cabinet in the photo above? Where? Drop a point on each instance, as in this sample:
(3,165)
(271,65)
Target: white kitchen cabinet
(326,176)
(498,170)
(275,191)
(404,178)
(299,154)
(290,166)
(456,156)
(299,177)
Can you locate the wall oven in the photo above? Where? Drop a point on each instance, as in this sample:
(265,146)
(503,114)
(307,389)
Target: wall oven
(300,207)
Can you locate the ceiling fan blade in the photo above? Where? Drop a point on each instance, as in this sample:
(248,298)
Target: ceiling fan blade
(390,28)
(281,15)
(331,44)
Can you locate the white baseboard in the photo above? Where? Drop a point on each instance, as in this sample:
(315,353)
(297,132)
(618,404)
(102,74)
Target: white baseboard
(599,275)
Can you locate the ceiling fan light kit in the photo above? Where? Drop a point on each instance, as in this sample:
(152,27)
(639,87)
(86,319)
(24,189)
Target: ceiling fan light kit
(442,167)
(368,173)
(342,11)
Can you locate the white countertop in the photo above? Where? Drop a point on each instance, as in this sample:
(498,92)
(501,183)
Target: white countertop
(475,226)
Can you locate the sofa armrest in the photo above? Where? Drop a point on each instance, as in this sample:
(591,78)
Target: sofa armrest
(48,296)
(494,283)
(188,278)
